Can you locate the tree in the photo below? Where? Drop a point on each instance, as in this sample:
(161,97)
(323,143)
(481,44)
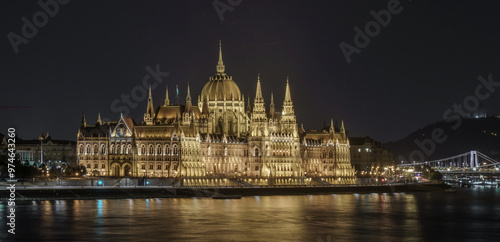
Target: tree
(436,175)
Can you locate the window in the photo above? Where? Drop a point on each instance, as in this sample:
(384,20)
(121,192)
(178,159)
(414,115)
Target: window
(158,150)
(129,149)
(103,166)
(256,151)
(256,168)
(151,166)
(151,150)
(96,150)
(158,167)
(103,150)
(143,150)
(143,167)
(95,166)
(166,167)
(175,167)
(88,166)
(167,150)
(88,149)
(117,149)
(175,150)
(81,149)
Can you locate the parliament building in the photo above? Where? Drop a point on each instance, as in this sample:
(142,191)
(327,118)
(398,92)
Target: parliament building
(219,137)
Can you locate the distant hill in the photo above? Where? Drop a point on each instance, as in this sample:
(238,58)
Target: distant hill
(481,134)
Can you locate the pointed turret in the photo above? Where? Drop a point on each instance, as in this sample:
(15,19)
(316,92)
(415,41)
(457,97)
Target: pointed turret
(287,103)
(271,106)
(288,97)
(249,108)
(99,119)
(150,109)
(188,100)
(204,109)
(259,110)
(167,101)
(288,120)
(149,115)
(258,92)
(342,129)
(220,64)
(332,127)
(84,122)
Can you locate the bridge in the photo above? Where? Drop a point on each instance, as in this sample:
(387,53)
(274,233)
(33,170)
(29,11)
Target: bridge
(470,168)
(472,161)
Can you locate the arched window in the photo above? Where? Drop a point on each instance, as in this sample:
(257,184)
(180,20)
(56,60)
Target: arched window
(175,150)
(122,150)
(143,150)
(117,149)
(151,151)
(167,150)
(158,150)
(103,150)
(88,149)
(112,149)
(331,154)
(88,166)
(96,150)
(129,149)
(81,149)
(256,151)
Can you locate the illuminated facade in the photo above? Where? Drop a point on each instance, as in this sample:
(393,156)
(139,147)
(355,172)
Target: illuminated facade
(219,137)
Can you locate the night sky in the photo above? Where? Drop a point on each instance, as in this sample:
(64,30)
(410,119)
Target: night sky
(90,53)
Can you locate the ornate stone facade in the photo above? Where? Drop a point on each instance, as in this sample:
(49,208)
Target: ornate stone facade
(218,138)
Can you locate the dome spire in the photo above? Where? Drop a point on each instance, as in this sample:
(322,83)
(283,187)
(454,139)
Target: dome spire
(220,65)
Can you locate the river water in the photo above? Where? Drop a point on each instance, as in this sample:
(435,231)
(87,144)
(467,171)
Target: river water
(470,214)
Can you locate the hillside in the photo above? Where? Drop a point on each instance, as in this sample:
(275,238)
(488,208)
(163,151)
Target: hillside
(482,134)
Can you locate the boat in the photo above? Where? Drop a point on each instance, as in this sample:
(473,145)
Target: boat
(450,190)
(221,196)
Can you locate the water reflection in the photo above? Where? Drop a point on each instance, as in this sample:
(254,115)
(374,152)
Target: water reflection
(399,216)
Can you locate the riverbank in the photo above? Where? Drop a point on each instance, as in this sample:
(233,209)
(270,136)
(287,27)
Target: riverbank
(79,193)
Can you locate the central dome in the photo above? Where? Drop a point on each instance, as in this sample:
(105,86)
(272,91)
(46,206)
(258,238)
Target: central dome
(220,86)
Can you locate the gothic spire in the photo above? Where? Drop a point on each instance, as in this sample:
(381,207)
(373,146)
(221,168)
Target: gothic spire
(188,97)
(271,107)
(249,108)
(220,64)
(332,128)
(288,97)
(188,100)
(84,122)
(99,119)
(342,129)
(150,108)
(167,101)
(258,92)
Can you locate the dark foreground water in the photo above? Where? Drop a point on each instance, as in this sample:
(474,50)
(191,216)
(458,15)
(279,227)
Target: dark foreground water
(470,214)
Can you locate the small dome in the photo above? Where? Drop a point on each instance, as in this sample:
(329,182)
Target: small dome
(220,85)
